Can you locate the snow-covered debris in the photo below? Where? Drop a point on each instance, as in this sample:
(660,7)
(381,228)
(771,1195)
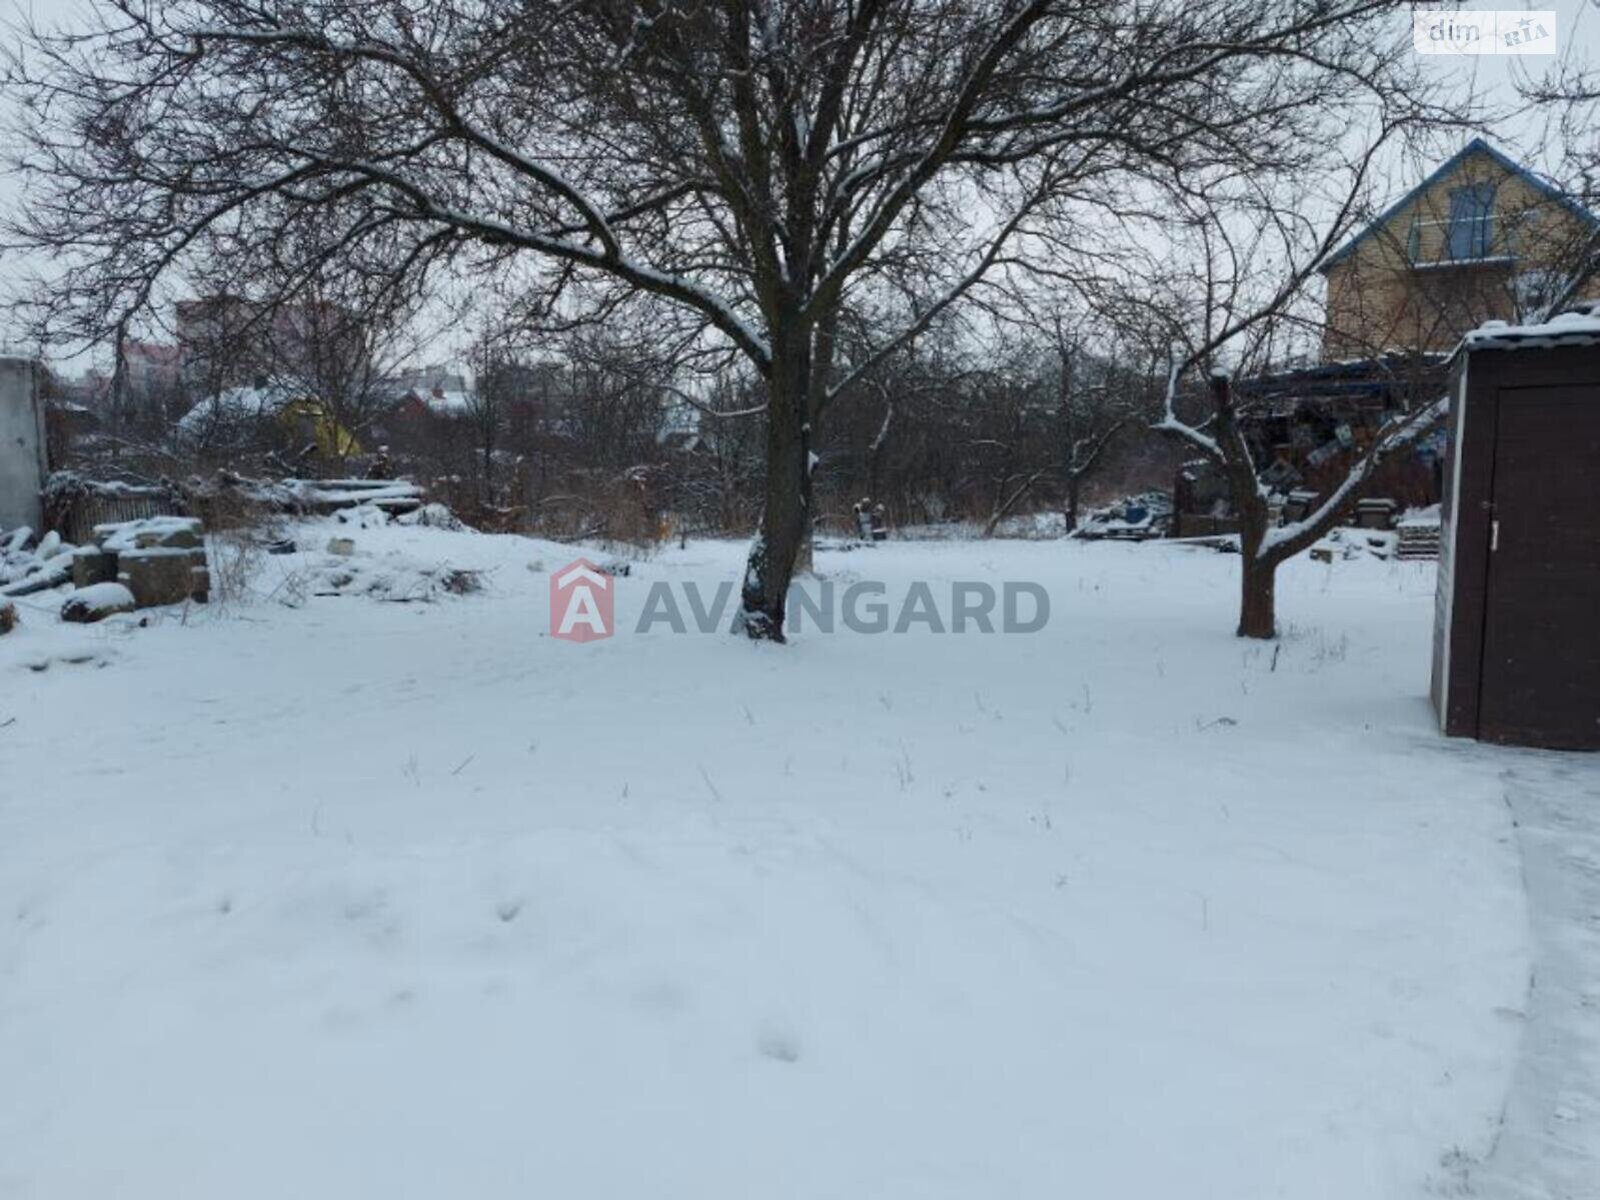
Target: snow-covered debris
(65,485)
(96,602)
(1349,542)
(1133,518)
(321,496)
(27,568)
(432,516)
(314,497)
(161,560)
(345,570)
(363,516)
(168,532)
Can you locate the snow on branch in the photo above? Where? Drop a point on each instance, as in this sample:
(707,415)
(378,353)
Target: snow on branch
(1171,423)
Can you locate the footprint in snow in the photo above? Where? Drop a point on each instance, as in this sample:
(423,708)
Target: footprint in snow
(779,1046)
(661,998)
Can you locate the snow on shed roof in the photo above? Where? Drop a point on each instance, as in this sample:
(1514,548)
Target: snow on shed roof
(1567,329)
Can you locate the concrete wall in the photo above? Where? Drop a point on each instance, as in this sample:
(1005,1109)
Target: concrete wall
(22,445)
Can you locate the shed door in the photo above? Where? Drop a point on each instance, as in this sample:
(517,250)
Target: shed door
(1541,642)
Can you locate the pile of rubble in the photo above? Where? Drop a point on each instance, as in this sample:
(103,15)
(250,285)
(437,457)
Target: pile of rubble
(1131,519)
(29,565)
(1347,542)
(158,560)
(305,497)
(1414,536)
(155,559)
(346,570)
(75,505)
(127,565)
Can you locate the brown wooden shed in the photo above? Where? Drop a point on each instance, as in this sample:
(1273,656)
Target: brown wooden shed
(1516,654)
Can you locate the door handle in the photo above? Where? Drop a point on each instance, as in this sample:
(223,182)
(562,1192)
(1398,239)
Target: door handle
(1494,535)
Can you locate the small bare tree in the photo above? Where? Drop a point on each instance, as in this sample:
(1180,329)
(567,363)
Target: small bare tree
(338,349)
(1241,297)
(497,384)
(1103,388)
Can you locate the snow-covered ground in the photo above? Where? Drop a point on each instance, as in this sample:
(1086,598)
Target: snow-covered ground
(327,896)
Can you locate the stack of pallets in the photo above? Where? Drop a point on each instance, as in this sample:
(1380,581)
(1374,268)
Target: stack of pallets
(1419,535)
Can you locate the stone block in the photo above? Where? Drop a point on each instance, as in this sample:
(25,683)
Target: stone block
(90,566)
(164,575)
(96,602)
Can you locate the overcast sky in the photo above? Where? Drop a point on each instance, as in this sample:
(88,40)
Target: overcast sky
(1485,84)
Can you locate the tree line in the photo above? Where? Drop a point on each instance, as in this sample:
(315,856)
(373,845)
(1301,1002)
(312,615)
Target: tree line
(795,192)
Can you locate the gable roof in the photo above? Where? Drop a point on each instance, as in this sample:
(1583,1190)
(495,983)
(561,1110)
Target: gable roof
(1476,146)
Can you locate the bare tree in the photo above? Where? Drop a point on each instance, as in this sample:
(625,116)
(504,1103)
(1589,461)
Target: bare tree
(763,166)
(1101,391)
(339,349)
(259,345)
(622,379)
(1231,310)
(497,385)
(981,420)
(1569,97)
(1009,439)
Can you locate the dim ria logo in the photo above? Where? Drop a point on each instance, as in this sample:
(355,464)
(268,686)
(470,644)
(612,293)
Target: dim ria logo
(583,606)
(1483,31)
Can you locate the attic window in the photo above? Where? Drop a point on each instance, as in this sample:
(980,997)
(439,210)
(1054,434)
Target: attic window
(1414,239)
(1471,228)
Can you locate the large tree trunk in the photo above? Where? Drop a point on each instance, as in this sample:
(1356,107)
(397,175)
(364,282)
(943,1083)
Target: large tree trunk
(786,512)
(1074,491)
(1258,616)
(1258,600)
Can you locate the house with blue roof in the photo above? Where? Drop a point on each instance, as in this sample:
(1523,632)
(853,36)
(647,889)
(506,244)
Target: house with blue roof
(1481,238)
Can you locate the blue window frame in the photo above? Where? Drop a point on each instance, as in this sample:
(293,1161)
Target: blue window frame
(1471,230)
